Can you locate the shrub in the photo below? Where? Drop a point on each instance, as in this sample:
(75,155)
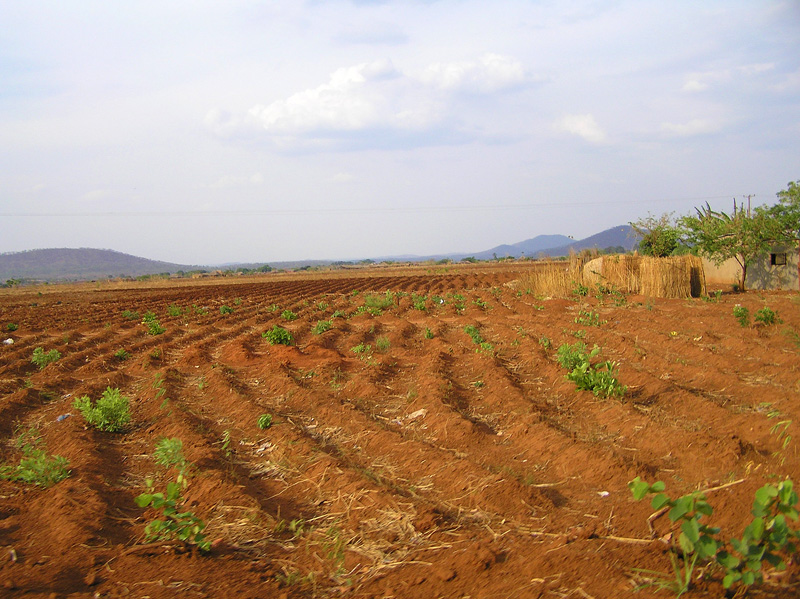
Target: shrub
(264,421)
(278,336)
(322,326)
(111,413)
(35,467)
(42,358)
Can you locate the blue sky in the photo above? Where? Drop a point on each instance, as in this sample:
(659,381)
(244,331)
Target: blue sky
(209,132)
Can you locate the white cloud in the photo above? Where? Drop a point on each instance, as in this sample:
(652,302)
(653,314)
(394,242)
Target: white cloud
(690,128)
(490,73)
(343,178)
(697,82)
(582,125)
(353,99)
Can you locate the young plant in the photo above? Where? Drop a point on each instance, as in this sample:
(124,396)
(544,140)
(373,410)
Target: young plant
(12,326)
(264,421)
(599,378)
(742,314)
(173,310)
(322,326)
(278,336)
(111,413)
(382,344)
(121,354)
(130,314)
(589,319)
(428,333)
(42,358)
(380,302)
(419,301)
(150,320)
(35,467)
(766,316)
(225,310)
(288,315)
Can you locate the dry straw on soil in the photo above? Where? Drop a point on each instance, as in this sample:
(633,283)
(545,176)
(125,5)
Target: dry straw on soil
(672,277)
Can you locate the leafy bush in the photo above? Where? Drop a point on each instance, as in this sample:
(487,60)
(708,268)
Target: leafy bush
(767,316)
(741,314)
(111,413)
(278,336)
(288,315)
(264,421)
(600,378)
(42,358)
(225,310)
(35,467)
(322,326)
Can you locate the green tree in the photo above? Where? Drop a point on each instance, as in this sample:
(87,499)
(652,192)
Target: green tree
(742,235)
(659,235)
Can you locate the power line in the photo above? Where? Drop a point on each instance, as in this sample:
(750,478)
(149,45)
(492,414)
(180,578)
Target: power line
(389,209)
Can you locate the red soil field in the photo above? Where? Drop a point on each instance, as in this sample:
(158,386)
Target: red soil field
(421,467)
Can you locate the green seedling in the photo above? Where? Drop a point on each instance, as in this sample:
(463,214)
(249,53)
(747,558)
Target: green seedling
(322,326)
(264,421)
(111,413)
(288,315)
(153,325)
(130,314)
(173,310)
(42,358)
(599,378)
(766,316)
(741,314)
(12,326)
(278,336)
(225,310)
(35,467)
(121,354)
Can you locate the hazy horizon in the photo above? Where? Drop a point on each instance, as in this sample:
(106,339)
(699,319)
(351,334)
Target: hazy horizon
(209,133)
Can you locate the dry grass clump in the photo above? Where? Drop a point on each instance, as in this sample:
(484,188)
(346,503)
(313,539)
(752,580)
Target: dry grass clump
(557,279)
(672,277)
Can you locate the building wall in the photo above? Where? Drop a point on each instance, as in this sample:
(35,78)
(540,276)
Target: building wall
(761,274)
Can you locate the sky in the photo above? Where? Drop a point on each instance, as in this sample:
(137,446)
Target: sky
(254,131)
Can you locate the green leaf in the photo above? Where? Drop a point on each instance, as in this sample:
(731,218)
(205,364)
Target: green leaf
(691,530)
(639,488)
(660,501)
(706,547)
(728,561)
(685,543)
(683,505)
(144,499)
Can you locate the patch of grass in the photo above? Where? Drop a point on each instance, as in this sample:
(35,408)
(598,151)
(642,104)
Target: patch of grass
(111,413)
(278,336)
(42,358)
(174,310)
(130,314)
(382,343)
(35,467)
(381,302)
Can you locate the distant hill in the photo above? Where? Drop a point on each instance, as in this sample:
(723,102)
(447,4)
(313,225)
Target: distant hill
(621,236)
(529,247)
(67,264)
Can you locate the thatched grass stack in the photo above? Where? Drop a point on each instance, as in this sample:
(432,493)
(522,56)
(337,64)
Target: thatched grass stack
(672,277)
